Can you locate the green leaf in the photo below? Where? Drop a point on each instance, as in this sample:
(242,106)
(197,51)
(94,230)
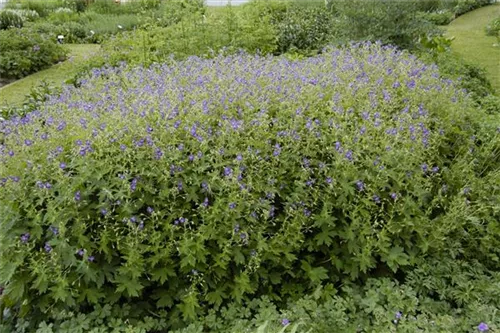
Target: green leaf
(130,286)
(216,297)
(395,258)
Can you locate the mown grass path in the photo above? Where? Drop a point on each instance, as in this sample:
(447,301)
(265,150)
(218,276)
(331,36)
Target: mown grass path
(13,93)
(472,43)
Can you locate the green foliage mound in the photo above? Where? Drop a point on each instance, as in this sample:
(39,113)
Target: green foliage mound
(391,22)
(10,19)
(493,28)
(178,188)
(25,52)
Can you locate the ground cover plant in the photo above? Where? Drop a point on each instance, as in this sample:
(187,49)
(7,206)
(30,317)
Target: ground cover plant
(199,184)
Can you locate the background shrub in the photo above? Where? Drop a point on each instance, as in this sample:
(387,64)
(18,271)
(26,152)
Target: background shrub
(441,17)
(132,7)
(10,19)
(25,52)
(391,22)
(493,28)
(304,28)
(43,8)
(198,184)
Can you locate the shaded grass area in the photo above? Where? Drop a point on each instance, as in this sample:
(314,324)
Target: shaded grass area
(472,43)
(13,94)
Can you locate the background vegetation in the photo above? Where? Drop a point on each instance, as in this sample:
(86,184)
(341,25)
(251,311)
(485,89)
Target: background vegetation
(239,169)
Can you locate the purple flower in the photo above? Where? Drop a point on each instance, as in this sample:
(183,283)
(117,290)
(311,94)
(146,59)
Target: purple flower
(204,186)
(243,235)
(91,259)
(424,167)
(123,147)
(133,184)
(28,142)
(376,198)
(228,171)
(236,228)
(483,327)
(232,205)
(62,165)
(141,225)
(205,202)
(104,211)
(54,230)
(285,321)
(466,190)
(11,153)
(191,158)
(80,252)
(47,248)
(158,153)
(360,185)
(310,182)
(179,185)
(394,196)
(25,237)
(277,150)
(348,155)
(48,186)
(329,180)
(435,169)
(398,315)
(77,196)
(150,210)
(307,212)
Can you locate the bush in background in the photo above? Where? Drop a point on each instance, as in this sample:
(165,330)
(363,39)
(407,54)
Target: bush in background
(194,185)
(25,52)
(15,18)
(493,28)
(391,22)
(440,17)
(43,8)
(10,19)
(304,29)
(110,7)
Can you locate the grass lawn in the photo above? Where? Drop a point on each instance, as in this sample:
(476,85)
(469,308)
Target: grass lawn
(472,43)
(13,94)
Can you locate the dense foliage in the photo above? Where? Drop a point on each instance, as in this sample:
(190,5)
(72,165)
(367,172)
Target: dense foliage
(10,18)
(193,185)
(391,22)
(381,305)
(25,52)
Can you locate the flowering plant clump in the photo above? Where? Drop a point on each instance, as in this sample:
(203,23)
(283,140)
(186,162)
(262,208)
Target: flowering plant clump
(212,181)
